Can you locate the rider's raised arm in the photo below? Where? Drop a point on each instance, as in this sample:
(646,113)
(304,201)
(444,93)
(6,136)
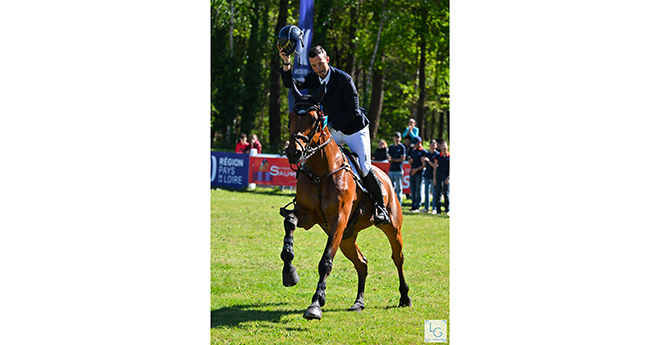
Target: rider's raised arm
(287,78)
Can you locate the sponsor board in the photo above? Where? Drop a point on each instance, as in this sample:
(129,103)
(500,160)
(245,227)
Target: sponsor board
(271,170)
(229,169)
(236,170)
(384,166)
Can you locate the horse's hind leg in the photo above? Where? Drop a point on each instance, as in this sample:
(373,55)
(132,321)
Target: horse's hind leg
(396,242)
(352,252)
(289,274)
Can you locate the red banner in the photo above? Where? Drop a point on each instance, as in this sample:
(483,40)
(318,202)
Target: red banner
(275,171)
(271,170)
(384,166)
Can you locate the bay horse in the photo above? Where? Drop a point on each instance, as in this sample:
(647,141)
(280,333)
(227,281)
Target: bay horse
(328,194)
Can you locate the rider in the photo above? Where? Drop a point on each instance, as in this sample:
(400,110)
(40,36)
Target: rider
(348,124)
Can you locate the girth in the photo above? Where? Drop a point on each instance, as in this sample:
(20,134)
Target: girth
(318,179)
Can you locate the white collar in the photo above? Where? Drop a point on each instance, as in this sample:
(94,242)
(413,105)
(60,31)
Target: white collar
(326,80)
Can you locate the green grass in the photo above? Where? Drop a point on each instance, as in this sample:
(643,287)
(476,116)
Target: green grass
(249,304)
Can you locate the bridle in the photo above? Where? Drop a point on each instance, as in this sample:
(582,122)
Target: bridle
(318,126)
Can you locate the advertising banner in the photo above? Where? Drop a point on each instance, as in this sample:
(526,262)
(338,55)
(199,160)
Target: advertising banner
(229,169)
(275,171)
(385,166)
(236,170)
(306,24)
(300,62)
(271,170)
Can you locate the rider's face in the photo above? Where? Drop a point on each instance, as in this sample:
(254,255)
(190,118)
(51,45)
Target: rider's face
(320,65)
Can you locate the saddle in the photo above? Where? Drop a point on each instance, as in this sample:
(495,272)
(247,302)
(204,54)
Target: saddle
(362,203)
(355,166)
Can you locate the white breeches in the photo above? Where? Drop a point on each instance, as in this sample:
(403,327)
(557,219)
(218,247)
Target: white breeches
(359,143)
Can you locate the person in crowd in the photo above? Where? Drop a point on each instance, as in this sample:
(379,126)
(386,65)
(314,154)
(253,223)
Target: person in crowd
(347,121)
(381,151)
(416,173)
(254,143)
(411,131)
(243,146)
(429,165)
(396,154)
(407,142)
(441,177)
(283,152)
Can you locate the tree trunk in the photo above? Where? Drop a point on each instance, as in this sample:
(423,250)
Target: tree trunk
(251,74)
(432,124)
(376,102)
(231,29)
(352,46)
(448,126)
(274,123)
(422,81)
(373,56)
(441,125)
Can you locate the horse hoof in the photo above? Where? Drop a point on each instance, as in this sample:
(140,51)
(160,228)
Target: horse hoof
(405,302)
(313,313)
(357,307)
(290,278)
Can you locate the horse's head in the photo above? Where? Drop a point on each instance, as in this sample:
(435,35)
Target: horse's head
(305,123)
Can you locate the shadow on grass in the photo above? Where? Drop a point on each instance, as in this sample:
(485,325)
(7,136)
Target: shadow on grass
(395,306)
(233,316)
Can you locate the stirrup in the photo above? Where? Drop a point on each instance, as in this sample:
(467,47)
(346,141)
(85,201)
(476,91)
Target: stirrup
(380,215)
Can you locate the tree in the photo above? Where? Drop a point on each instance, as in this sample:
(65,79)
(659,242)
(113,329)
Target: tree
(397,52)
(274,112)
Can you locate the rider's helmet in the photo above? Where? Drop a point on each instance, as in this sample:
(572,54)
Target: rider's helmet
(288,38)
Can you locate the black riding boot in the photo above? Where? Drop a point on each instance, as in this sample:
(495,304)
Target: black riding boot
(374,186)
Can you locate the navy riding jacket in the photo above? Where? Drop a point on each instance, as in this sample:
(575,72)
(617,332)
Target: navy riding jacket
(340,103)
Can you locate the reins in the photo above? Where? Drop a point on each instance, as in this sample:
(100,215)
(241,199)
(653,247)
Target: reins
(309,151)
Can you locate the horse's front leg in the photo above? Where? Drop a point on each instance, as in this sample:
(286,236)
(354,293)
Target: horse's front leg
(325,267)
(289,274)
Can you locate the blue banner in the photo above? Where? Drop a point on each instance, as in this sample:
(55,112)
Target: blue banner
(306,24)
(229,169)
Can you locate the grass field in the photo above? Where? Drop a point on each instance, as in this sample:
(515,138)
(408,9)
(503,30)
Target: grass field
(249,304)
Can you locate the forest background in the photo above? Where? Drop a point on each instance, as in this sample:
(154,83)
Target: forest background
(396,51)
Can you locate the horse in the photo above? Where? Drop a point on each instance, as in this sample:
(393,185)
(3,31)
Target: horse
(328,194)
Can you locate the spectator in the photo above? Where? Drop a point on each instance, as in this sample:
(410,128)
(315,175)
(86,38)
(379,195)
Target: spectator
(409,146)
(243,146)
(396,155)
(441,177)
(430,164)
(254,143)
(411,131)
(381,152)
(407,142)
(286,144)
(416,173)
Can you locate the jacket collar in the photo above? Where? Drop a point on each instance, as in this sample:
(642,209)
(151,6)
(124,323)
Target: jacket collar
(333,79)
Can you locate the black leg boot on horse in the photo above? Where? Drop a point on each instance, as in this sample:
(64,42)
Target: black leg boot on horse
(289,274)
(375,188)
